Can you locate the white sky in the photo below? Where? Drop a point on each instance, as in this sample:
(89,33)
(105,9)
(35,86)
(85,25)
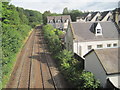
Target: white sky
(58,5)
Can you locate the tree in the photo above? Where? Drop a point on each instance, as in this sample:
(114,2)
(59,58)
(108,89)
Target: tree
(52,38)
(23,17)
(16,24)
(74,14)
(65,11)
(45,14)
(48,13)
(34,17)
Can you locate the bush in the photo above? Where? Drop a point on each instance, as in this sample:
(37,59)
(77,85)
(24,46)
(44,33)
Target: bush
(87,80)
(52,39)
(69,66)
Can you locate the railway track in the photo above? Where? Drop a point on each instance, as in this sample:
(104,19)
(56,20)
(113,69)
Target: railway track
(34,67)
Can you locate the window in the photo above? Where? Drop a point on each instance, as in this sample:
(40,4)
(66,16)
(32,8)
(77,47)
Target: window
(59,21)
(108,45)
(99,46)
(98,31)
(89,47)
(51,21)
(115,45)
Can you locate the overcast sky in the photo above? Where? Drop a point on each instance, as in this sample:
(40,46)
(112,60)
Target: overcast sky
(58,5)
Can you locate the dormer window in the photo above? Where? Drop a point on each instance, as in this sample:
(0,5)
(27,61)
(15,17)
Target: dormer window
(51,21)
(98,29)
(59,21)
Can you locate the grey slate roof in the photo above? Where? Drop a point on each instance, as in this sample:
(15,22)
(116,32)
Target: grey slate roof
(92,16)
(85,15)
(109,59)
(103,14)
(82,31)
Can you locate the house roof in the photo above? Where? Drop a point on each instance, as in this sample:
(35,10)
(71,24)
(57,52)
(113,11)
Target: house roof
(103,14)
(109,59)
(115,80)
(63,17)
(92,16)
(83,32)
(85,15)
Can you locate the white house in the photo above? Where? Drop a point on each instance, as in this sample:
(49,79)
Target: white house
(59,22)
(81,37)
(104,64)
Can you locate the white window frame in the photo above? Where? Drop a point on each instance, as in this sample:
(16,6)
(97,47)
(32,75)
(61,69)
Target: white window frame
(59,21)
(101,46)
(89,47)
(109,45)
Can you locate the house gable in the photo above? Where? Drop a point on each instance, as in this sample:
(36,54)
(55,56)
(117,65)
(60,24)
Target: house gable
(69,37)
(93,65)
(98,30)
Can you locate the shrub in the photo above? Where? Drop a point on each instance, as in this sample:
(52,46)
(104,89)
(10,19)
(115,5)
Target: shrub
(69,66)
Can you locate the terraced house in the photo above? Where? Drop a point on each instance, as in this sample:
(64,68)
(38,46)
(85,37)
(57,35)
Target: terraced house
(96,16)
(59,22)
(81,37)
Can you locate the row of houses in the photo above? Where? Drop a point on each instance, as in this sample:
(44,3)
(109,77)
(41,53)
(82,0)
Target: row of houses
(96,40)
(59,22)
(101,16)
(96,16)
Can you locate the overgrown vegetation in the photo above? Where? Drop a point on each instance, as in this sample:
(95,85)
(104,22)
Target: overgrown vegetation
(16,24)
(69,66)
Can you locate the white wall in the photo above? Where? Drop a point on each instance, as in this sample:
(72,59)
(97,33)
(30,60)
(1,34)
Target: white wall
(84,46)
(93,65)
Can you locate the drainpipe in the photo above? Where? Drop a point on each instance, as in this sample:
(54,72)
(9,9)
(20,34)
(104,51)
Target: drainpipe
(77,48)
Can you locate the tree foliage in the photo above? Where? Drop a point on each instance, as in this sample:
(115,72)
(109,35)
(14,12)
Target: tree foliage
(72,13)
(16,25)
(65,11)
(34,17)
(52,38)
